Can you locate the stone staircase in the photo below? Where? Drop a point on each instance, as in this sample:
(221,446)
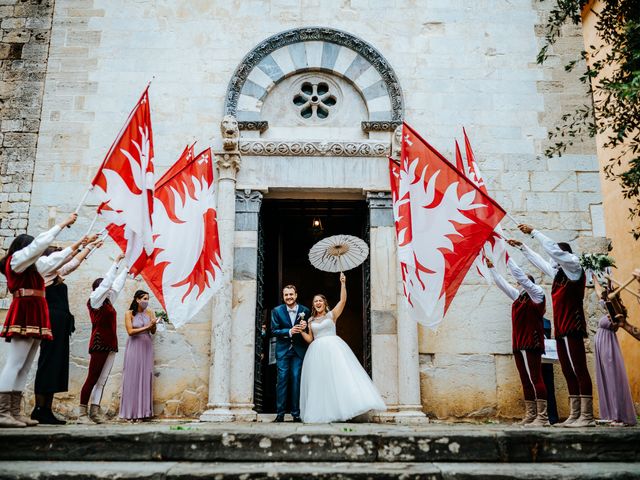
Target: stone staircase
(337,451)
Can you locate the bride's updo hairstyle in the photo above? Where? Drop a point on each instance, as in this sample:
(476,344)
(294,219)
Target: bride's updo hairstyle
(326,304)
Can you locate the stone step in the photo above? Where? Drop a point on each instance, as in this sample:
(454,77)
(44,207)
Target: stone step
(296,470)
(363,443)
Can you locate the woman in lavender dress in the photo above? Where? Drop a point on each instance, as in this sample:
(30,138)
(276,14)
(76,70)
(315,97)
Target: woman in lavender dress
(614,394)
(137,374)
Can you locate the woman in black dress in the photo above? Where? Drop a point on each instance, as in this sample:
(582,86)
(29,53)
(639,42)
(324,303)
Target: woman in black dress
(52,375)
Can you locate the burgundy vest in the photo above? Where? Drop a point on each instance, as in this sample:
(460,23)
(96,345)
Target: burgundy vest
(103,328)
(568,312)
(527,324)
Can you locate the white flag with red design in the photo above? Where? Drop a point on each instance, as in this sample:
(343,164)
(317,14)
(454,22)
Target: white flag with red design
(442,221)
(124,184)
(185,269)
(496,247)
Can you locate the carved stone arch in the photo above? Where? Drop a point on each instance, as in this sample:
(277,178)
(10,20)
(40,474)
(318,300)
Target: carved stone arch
(320,49)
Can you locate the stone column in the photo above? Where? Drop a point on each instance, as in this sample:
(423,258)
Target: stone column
(384,339)
(409,409)
(228,163)
(243,326)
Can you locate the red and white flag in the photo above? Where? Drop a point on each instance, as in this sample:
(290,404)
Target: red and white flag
(496,246)
(124,184)
(442,221)
(185,269)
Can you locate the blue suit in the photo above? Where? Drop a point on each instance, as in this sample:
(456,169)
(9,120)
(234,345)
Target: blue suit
(290,352)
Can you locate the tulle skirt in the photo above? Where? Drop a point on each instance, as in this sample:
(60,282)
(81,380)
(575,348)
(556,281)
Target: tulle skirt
(334,386)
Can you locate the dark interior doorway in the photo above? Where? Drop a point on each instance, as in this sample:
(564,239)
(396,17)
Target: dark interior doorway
(287,232)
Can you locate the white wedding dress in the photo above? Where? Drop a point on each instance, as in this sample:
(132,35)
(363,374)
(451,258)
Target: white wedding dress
(334,386)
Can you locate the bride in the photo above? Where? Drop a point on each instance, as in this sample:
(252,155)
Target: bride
(334,386)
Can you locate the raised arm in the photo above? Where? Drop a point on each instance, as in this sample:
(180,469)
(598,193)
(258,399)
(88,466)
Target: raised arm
(535,291)
(569,262)
(80,257)
(337,310)
(509,290)
(539,262)
(24,258)
(100,294)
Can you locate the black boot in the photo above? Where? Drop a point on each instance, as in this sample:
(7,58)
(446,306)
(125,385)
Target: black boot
(46,417)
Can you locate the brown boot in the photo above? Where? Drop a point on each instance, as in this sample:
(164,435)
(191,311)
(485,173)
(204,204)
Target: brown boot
(16,406)
(574,413)
(95,415)
(586,413)
(542,419)
(6,419)
(530,413)
(83,418)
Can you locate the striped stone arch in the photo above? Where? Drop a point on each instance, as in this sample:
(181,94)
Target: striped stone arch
(315,49)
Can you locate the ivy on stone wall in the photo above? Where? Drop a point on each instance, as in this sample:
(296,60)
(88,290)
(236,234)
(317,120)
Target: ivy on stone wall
(613,73)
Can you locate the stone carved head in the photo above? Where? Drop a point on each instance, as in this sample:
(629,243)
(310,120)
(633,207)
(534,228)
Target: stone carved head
(230,133)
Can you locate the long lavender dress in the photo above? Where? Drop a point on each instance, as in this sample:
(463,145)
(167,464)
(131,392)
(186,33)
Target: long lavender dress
(611,377)
(137,373)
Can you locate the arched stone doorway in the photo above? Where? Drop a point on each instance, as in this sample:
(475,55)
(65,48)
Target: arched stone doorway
(316,108)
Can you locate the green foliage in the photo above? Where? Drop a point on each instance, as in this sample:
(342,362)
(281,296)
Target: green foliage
(162,315)
(615,110)
(596,262)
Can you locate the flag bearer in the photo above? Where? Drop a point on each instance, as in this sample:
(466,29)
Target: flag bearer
(567,295)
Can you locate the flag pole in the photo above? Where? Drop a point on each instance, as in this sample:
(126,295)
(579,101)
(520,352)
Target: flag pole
(510,217)
(84,197)
(92,225)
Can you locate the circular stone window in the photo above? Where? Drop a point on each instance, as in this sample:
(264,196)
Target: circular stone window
(315,98)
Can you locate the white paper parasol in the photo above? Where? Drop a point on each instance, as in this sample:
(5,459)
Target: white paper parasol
(338,253)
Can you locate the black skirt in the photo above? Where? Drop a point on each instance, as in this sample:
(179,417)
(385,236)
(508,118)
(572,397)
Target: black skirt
(52,375)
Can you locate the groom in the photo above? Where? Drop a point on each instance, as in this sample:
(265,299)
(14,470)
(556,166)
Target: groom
(287,321)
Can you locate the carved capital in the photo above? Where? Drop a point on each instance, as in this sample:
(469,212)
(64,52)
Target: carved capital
(228,164)
(379,200)
(248,201)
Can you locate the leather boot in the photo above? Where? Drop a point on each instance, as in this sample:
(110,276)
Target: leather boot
(83,418)
(586,413)
(95,414)
(530,413)
(6,419)
(542,419)
(16,406)
(574,411)
(45,416)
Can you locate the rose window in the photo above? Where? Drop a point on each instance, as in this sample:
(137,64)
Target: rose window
(314,99)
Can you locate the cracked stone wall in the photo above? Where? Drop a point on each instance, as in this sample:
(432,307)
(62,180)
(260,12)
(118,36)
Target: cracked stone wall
(25,28)
(459,63)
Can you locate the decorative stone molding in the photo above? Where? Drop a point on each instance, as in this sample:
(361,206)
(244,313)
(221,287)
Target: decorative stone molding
(314,149)
(396,143)
(260,57)
(260,126)
(380,126)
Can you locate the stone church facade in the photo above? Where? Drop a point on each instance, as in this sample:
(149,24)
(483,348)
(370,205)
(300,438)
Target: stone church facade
(306,95)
